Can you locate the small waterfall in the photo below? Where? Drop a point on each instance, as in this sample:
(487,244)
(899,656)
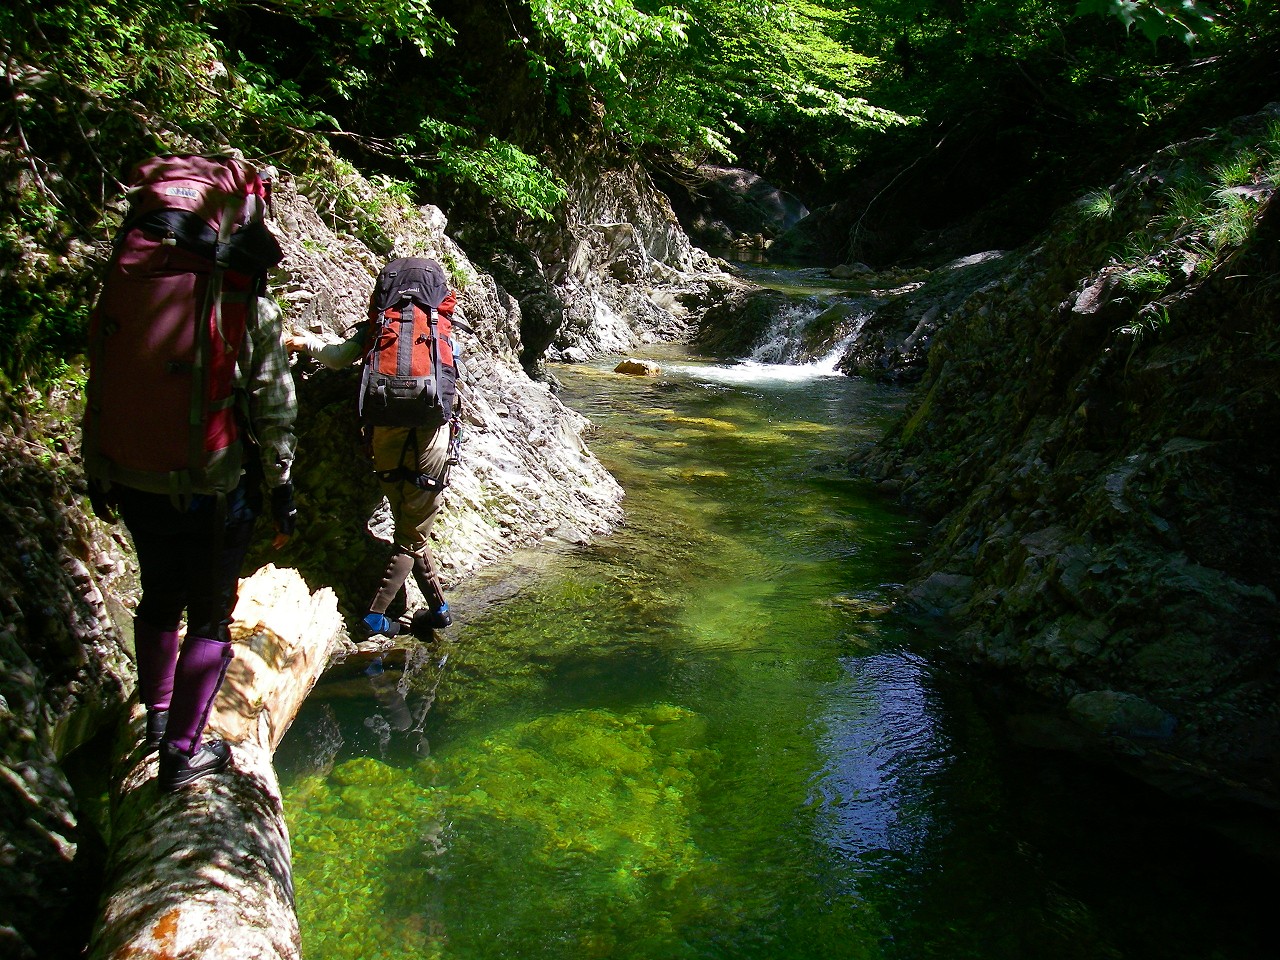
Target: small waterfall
(784,343)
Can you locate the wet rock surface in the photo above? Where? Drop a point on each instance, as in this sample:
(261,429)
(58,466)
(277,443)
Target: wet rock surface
(1096,460)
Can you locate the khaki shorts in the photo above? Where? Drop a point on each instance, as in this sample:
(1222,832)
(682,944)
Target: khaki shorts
(412,508)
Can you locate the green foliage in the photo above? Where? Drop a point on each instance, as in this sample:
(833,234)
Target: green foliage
(371,23)
(460,278)
(698,78)
(260,94)
(1150,319)
(508,174)
(172,58)
(791,75)
(1188,201)
(1183,19)
(339,66)
(501,170)
(1206,214)
(1236,171)
(1098,204)
(1148,278)
(96,86)
(41,328)
(605,34)
(117,49)
(355,205)
(44,308)
(1234,222)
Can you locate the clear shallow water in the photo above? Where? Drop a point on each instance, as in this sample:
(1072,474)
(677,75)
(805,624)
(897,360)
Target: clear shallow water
(707,736)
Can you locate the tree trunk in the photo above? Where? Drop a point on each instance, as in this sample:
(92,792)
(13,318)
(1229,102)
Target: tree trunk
(206,872)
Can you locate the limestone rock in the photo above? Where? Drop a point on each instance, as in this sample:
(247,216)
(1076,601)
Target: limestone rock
(637,368)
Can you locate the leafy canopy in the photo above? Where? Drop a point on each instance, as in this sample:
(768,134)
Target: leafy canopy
(693,78)
(375,23)
(1184,19)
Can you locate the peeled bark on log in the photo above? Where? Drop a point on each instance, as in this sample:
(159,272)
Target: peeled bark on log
(206,871)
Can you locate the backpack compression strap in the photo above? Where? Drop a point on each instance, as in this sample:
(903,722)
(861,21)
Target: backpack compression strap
(203,347)
(424,481)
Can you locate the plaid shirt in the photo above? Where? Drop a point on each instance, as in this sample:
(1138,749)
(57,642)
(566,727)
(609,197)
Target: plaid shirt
(264,377)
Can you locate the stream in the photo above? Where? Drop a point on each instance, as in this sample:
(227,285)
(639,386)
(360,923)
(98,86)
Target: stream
(710,735)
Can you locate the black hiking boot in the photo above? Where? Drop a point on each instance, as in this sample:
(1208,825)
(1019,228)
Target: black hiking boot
(157,720)
(178,770)
(379,624)
(424,622)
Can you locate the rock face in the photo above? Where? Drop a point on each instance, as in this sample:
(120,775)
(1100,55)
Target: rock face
(66,673)
(628,274)
(728,207)
(617,271)
(1096,451)
(732,327)
(880,326)
(893,343)
(526,474)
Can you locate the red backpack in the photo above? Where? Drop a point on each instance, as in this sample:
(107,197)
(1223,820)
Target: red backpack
(189,264)
(410,376)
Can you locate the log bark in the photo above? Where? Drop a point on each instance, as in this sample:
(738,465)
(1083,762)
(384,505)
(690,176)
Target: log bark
(206,872)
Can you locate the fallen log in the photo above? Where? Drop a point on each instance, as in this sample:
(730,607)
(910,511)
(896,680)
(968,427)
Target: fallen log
(206,871)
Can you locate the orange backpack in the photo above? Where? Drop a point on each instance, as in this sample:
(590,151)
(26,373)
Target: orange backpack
(410,376)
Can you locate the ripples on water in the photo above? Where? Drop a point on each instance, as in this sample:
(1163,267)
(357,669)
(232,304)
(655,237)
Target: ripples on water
(880,746)
(708,736)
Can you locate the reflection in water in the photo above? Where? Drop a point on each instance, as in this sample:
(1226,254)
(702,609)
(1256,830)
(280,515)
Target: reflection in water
(881,750)
(386,690)
(321,742)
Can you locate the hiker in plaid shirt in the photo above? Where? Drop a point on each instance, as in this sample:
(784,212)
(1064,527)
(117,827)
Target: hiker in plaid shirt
(190,553)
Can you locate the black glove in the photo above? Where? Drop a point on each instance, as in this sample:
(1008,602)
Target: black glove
(102,502)
(283,510)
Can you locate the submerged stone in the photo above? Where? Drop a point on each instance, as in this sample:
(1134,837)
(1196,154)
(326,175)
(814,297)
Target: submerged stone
(1115,712)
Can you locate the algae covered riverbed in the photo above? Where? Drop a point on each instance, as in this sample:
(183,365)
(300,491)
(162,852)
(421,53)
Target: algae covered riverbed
(710,735)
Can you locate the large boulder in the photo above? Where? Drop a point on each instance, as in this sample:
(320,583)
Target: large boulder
(526,474)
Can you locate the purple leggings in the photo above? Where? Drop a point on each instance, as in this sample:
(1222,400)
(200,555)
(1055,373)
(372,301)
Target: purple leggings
(186,559)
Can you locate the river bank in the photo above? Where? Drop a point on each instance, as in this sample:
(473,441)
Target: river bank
(1089,438)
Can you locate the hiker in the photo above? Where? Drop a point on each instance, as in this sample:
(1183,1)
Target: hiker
(185,422)
(412,453)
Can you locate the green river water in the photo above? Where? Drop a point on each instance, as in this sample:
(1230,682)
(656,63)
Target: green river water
(709,736)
